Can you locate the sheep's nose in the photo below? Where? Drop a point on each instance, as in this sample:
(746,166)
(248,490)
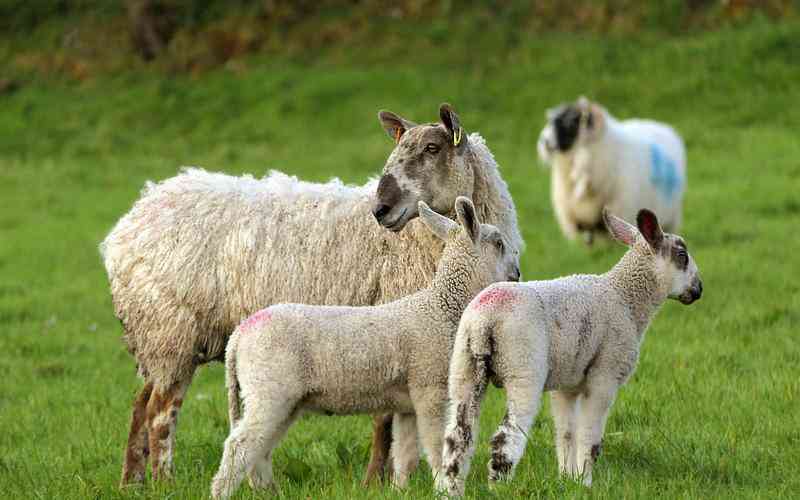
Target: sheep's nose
(697,292)
(380,211)
(516,275)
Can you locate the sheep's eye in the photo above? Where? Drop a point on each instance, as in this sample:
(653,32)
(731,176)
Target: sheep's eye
(683,258)
(432,148)
(500,246)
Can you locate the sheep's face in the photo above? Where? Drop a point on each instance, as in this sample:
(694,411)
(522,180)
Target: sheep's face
(568,125)
(679,270)
(480,248)
(675,269)
(428,164)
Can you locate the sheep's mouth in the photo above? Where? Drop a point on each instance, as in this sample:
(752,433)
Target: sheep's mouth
(398,223)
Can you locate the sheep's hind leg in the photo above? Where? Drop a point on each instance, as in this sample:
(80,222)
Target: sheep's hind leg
(523,397)
(248,449)
(133,469)
(430,423)
(162,420)
(563,406)
(381,442)
(404,450)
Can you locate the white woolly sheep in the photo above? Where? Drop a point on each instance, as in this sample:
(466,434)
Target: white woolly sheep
(291,358)
(578,337)
(199,252)
(598,161)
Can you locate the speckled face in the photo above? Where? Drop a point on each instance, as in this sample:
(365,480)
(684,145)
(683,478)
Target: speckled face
(426,166)
(686,285)
(499,259)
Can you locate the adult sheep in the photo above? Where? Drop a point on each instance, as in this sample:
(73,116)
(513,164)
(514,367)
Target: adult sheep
(201,251)
(599,161)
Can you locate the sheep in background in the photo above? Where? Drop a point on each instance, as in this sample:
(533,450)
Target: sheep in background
(199,252)
(578,337)
(598,161)
(291,358)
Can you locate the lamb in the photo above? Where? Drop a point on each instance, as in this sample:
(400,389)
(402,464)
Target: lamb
(199,252)
(291,358)
(578,337)
(598,162)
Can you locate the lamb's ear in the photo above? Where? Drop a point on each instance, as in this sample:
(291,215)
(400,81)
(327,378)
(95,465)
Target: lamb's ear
(453,125)
(619,229)
(650,228)
(394,125)
(465,211)
(438,224)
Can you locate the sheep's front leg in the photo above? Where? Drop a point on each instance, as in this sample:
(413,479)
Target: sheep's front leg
(162,419)
(564,408)
(405,453)
(591,422)
(430,424)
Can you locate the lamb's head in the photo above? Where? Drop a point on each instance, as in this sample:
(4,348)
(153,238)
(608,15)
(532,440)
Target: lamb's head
(429,163)
(569,125)
(675,270)
(476,251)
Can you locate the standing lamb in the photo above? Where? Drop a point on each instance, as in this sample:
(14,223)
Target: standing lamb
(199,252)
(292,358)
(598,162)
(577,336)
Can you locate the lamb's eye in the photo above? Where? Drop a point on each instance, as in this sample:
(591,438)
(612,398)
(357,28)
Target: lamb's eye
(500,246)
(432,148)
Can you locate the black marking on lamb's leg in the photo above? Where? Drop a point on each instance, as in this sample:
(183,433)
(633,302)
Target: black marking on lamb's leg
(499,465)
(596,449)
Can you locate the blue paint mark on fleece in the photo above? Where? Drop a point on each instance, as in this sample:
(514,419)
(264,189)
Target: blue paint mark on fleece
(663,172)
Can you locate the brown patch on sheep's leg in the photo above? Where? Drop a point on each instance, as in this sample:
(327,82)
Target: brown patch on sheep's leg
(162,421)
(381,443)
(133,469)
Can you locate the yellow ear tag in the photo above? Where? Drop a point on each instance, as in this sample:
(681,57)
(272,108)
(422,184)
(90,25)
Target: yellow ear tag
(457,137)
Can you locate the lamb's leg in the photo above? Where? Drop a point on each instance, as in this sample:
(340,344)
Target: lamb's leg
(405,454)
(430,424)
(564,406)
(136,452)
(523,398)
(381,442)
(591,421)
(162,420)
(248,449)
(467,385)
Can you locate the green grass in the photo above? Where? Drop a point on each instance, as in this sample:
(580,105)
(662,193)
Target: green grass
(712,411)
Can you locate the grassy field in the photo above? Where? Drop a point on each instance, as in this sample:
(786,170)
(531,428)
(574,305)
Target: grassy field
(712,411)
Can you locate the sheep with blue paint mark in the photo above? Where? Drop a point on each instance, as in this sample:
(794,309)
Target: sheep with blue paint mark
(598,161)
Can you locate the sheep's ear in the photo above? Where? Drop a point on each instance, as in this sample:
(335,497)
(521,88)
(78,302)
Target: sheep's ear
(650,228)
(465,211)
(394,125)
(453,125)
(438,224)
(619,229)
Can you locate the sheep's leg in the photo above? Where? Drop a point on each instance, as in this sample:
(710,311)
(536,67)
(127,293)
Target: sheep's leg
(467,385)
(564,406)
(162,420)
(381,442)
(430,422)
(136,452)
(523,399)
(248,449)
(405,454)
(591,420)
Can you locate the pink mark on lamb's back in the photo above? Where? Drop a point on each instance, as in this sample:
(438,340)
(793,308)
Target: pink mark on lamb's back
(256,319)
(493,298)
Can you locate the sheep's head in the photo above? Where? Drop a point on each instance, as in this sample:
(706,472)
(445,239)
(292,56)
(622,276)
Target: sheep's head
(428,164)
(675,269)
(481,246)
(568,125)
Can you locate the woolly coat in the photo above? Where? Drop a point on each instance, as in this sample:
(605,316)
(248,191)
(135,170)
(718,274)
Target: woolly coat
(199,252)
(635,164)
